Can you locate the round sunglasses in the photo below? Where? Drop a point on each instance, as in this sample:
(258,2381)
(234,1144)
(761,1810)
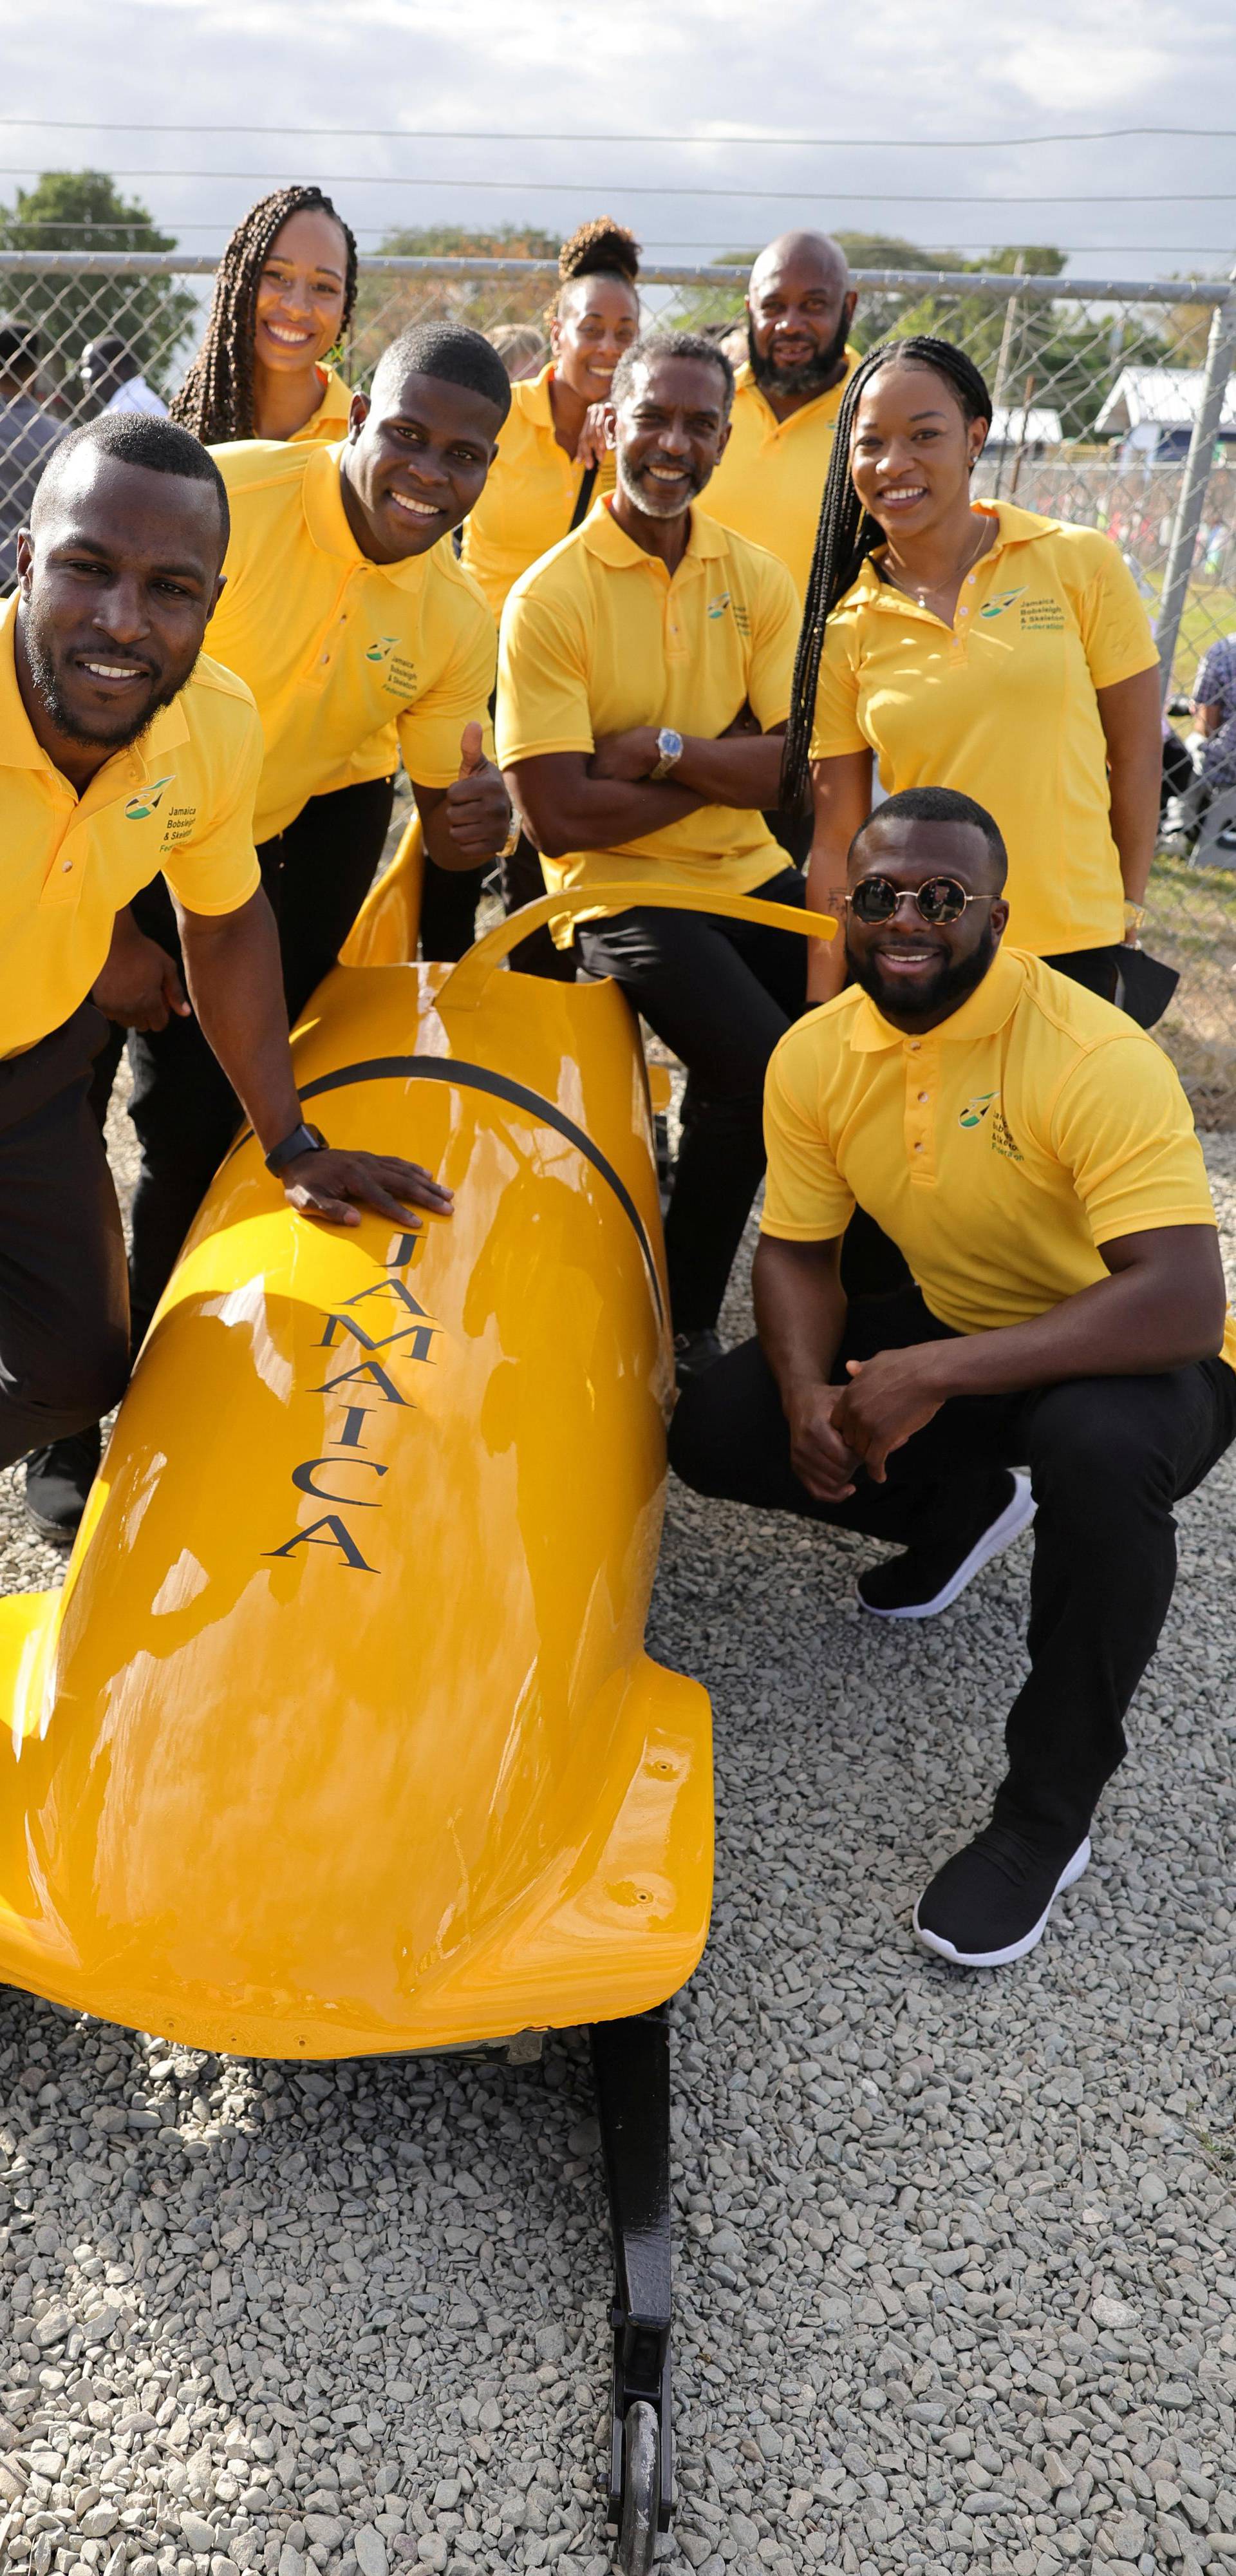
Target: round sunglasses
(940,899)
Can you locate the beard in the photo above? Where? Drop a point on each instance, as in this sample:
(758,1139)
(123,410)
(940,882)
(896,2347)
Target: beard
(954,980)
(114,733)
(646,497)
(813,375)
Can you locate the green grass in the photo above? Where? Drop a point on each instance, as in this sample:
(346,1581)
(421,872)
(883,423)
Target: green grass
(1191,924)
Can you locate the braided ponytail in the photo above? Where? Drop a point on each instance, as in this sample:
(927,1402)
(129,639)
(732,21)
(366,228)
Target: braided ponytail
(215,401)
(847,534)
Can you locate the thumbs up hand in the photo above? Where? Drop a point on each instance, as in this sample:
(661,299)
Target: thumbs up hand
(478,809)
(471,751)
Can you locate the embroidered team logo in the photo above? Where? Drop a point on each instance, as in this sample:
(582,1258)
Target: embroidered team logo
(149,801)
(1003,599)
(717,607)
(976,1110)
(381,648)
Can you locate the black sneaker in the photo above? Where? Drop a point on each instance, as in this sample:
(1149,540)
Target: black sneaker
(58,1480)
(926,1579)
(695,1352)
(989,1904)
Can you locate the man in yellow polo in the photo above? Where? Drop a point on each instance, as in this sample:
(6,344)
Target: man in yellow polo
(645,668)
(768,485)
(345,613)
(800,305)
(1032,1154)
(122,753)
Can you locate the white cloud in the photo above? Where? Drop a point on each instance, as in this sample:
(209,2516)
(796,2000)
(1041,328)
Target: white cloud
(886,71)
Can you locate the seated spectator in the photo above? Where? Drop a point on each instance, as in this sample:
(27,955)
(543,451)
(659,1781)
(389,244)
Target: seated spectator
(114,381)
(522,348)
(27,437)
(644,673)
(1032,1153)
(1212,748)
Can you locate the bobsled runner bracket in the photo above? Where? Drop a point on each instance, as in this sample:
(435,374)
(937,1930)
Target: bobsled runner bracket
(631,2067)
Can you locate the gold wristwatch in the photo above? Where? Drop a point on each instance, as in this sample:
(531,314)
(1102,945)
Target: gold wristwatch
(1135,919)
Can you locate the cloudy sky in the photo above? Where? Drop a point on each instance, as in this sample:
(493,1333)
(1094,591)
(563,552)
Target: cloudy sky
(729,85)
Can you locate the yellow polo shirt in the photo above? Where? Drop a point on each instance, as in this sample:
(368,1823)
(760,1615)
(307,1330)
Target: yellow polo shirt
(330,420)
(530,494)
(349,661)
(999,1151)
(180,800)
(597,639)
(770,481)
(1002,705)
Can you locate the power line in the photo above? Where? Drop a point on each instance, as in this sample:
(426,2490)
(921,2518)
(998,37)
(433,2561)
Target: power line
(760,196)
(788,142)
(42,224)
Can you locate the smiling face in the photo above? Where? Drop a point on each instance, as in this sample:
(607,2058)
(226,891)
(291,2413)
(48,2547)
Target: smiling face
(913,449)
(415,463)
(670,430)
(916,971)
(299,310)
(800,306)
(117,581)
(597,318)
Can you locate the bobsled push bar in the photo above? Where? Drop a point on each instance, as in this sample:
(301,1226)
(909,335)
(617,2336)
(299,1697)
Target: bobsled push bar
(465,985)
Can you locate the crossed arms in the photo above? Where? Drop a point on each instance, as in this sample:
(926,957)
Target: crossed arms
(576,800)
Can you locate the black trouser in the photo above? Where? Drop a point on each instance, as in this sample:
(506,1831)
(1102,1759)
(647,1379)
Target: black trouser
(1108,1457)
(720,993)
(64,1306)
(316,875)
(523,881)
(449,897)
(1096,968)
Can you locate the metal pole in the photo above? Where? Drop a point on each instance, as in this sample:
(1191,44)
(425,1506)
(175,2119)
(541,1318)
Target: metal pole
(1002,370)
(1220,357)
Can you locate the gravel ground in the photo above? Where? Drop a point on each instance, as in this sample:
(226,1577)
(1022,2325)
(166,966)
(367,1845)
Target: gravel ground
(956,2256)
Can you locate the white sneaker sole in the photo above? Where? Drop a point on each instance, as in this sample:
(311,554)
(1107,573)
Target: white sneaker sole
(1016,1516)
(941,1949)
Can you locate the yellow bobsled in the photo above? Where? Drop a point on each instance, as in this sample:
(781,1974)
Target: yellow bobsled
(342,1737)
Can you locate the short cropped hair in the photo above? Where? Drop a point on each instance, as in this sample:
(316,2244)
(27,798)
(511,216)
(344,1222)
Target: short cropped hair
(19,350)
(138,439)
(940,805)
(451,352)
(652,345)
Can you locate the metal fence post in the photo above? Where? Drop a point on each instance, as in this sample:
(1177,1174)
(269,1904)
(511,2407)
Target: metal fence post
(1220,356)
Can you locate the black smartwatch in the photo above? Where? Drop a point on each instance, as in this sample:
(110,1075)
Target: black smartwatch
(303,1140)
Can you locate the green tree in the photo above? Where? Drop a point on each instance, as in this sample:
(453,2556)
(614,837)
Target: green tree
(74,210)
(386,305)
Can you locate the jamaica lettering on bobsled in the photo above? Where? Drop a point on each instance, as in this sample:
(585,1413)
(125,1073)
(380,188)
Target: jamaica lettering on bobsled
(342,1737)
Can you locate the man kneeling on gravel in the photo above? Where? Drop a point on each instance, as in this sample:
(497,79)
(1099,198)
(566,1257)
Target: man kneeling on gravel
(1033,1155)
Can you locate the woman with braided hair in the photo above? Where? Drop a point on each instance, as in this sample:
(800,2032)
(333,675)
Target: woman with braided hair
(973,645)
(283,298)
(552,463)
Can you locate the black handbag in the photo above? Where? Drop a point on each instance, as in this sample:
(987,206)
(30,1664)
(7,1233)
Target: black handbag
(1144,985)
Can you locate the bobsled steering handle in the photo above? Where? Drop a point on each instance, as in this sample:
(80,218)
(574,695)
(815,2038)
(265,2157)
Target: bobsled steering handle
(467,981)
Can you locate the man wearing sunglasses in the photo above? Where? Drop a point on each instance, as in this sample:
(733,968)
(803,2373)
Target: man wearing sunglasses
(1032,1155)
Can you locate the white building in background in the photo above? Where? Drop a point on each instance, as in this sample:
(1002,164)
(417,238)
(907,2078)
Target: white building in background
(1152,412)
(1033,427)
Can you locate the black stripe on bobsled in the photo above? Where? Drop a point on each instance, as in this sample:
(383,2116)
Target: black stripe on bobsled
(477,1077)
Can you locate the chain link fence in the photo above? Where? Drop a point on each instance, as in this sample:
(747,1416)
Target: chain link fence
(1115,407)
